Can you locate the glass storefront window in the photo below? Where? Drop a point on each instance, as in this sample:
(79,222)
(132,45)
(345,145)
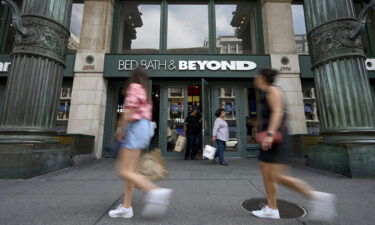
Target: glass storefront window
(63,108)
(139,27)
(187,29)
(251,115)
(176,116)
(75,26)
(368,36)
(236,27)
(300,29)
(227,101)
(7,38)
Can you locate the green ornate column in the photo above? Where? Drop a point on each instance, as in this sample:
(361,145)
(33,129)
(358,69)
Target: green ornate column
(28,145)
(346,105)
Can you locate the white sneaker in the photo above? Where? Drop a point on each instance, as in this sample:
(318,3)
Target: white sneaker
(157,202)
(267,212)
(121,211)
(323,207)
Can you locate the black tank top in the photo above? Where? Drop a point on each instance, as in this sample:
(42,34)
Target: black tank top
(266,112)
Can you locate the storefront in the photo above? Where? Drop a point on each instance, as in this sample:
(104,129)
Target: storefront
(201,54)
(181,82)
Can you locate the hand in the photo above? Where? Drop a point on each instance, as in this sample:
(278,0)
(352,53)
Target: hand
(120,136)
(267,143)
(213,139)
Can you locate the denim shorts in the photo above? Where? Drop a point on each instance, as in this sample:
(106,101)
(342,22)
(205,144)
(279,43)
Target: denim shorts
(138,135)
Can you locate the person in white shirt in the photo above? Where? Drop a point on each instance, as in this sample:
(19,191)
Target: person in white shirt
(220,134)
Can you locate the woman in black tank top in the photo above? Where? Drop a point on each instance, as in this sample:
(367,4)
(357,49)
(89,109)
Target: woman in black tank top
(272,156)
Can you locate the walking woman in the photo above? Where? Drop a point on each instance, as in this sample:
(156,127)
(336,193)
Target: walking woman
(273,151)
(135,122)
(220,134)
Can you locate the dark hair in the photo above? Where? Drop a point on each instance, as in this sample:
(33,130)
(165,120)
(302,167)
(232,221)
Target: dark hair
(268,74)
(139,76)
(218,112)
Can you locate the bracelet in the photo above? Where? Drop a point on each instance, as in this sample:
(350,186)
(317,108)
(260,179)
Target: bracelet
(269,134)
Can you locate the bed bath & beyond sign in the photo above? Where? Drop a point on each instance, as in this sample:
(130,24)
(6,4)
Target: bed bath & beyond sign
(187,65)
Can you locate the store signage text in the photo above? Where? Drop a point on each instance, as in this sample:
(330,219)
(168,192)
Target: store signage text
(187,65)
(4,66)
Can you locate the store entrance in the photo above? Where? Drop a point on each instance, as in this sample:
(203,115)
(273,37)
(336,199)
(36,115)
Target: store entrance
(177,102)
(172,102)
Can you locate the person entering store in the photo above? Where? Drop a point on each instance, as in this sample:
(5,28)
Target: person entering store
(192,132)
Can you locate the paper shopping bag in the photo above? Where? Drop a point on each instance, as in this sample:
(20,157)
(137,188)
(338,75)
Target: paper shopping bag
(180,144)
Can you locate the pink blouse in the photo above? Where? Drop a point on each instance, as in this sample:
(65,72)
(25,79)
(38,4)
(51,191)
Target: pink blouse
(136,100)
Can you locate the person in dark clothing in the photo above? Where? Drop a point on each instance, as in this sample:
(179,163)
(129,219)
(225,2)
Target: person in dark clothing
(272,154)
(192,133)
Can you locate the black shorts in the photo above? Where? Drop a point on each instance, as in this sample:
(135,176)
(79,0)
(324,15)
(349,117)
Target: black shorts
(277,154)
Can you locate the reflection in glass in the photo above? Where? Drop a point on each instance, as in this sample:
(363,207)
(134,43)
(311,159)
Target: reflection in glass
(236,28)
(75,26)
(300,29)
(7,26)
(76,19)
(227,101)
(368,36)
(251,118)
(139,28)
(176,116)
(187,29)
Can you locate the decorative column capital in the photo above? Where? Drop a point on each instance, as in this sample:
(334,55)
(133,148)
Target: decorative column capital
(44,37)
(332,40)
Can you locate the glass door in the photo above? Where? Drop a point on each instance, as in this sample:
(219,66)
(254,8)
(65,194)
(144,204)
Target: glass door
(227,98)
(176,113)
(206,114)
(177,101)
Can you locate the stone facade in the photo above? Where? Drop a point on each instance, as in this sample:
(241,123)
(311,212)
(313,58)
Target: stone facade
(89,86)
(280,44)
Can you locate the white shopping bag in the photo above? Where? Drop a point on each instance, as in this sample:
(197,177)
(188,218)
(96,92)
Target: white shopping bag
(209,152)
(180,144)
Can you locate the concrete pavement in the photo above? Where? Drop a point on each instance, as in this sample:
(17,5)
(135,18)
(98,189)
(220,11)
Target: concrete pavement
(204,193)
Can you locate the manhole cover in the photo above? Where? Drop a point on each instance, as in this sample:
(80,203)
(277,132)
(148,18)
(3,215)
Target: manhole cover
(287,210)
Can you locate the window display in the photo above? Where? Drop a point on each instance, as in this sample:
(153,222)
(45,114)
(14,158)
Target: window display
(227,101)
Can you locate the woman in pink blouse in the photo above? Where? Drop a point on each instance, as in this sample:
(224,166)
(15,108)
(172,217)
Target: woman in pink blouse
(135,124)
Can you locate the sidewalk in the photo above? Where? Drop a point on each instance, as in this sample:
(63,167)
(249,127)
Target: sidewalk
(204,194)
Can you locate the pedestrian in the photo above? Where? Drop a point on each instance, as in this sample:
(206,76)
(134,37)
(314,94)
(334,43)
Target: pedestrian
(220,135)
(272,154)
(192,131)
(135,123)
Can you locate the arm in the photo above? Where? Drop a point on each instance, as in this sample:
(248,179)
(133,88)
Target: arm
(214,130)
(275,102)
(121,123)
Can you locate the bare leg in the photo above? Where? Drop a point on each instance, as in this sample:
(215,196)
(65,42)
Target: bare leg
(129,187)
(128,160)
(270,184)
(291,182)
